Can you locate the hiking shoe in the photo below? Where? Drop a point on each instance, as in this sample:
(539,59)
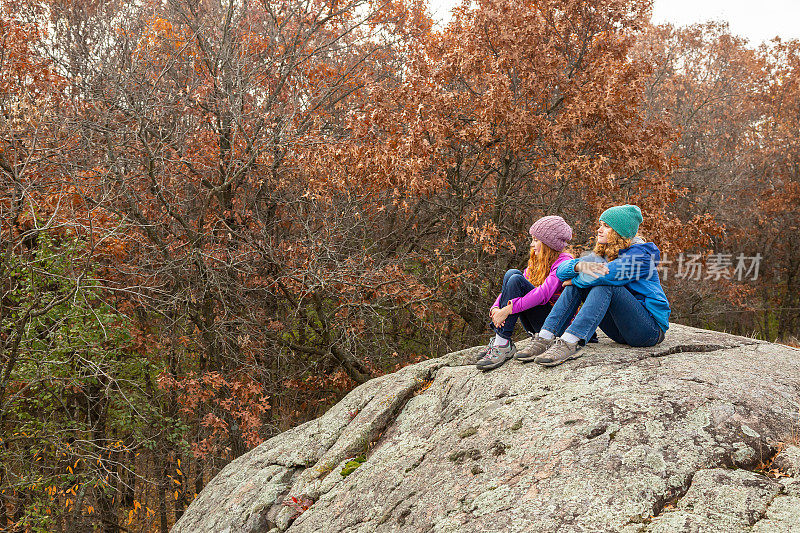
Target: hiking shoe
(486,349)
(537,347)
(559,352)
(497,356)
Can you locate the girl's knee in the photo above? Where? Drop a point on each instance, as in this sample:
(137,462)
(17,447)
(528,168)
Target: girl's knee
(605,291)
(517,280)
(510,274)
(602,288)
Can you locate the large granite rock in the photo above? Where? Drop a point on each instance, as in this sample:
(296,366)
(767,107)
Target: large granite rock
(675,437)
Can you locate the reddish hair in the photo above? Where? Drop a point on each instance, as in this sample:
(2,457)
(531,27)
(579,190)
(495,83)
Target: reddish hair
(539,264)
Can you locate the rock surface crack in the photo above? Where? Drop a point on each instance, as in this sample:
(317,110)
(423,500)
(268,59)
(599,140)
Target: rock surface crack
(696,348)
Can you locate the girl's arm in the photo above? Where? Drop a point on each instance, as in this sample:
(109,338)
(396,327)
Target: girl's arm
(566,270)
(537,296)
(623,270)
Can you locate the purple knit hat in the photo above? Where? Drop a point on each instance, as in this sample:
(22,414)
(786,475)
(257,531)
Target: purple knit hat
(553,231)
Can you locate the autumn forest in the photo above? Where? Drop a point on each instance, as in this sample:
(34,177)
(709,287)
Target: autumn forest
(217,217)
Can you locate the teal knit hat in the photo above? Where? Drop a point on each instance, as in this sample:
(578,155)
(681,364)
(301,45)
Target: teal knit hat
(624,219)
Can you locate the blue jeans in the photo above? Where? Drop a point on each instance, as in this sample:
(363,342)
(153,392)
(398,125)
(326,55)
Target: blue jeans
(613,308)
(514,286)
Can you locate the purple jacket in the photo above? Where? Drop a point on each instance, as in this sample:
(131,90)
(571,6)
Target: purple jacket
(549,291)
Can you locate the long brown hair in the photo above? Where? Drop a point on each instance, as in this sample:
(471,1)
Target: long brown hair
(539,265)
(610,250)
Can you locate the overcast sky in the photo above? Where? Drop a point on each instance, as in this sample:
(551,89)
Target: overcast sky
(758,20)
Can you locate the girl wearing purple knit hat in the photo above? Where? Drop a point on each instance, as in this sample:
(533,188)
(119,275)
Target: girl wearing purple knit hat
(528,296)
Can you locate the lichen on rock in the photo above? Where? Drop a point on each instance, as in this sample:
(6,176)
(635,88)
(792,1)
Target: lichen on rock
(668,438)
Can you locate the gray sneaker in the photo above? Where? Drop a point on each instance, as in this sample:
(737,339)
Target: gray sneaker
(537,347)
(559,352)
(486,349)
(497,356)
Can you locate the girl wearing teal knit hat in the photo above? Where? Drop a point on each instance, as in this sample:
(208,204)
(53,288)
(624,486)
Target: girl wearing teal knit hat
(623,219)
(617,289)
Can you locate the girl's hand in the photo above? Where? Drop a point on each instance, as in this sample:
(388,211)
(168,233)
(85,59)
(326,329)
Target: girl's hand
(568,282)
(500,315)
(593,269)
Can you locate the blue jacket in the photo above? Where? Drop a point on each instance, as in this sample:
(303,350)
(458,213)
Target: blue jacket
(636,270)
